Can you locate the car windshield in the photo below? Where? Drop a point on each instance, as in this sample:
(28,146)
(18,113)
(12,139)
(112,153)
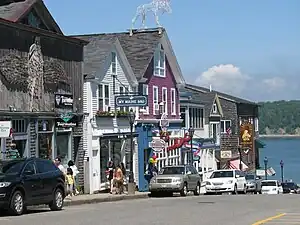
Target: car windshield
(250,177)
(268,183)
(219,174)
(173,170)
(288,185)
(9,168)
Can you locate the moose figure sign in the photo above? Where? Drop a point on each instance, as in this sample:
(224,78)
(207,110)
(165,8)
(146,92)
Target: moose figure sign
(154,7)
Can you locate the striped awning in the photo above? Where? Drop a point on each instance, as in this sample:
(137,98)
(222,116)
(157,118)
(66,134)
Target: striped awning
(235,164)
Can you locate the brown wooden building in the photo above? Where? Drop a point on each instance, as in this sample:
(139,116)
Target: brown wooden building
(41,84)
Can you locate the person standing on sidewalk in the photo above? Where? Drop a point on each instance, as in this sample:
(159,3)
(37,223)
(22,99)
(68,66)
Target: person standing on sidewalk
(118,180)
(70,182)
(57,162)
(75,170)
(110,175)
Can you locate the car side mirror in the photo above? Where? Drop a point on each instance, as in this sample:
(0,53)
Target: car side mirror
(189,173)
(237,176)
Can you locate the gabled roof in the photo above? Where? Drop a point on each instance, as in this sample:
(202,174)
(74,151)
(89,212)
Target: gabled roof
(16,10)
(140,47)
(221,95)
(98,52)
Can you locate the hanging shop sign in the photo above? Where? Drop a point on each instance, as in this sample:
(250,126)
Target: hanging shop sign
(64,101)
(157,145)
(246,134)
(5,129)
(66,120)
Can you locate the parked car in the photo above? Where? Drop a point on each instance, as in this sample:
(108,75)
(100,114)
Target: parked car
(182,178)
(271,187)
(232,181)
(32,181)
(253,183)
(290,187)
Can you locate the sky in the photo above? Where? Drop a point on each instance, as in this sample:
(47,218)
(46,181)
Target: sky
(249,49)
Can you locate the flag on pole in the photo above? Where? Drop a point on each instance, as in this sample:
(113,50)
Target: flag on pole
(228,131)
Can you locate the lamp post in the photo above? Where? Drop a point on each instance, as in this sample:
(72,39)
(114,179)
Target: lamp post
(281,167)
(240,153)
(266,167)
(191,134)
(131,186)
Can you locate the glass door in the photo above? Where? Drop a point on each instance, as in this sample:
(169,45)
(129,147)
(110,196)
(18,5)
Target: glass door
(63,149)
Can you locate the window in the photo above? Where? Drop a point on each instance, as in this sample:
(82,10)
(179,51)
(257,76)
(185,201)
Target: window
(256,124)
(196,116)
(173,101)
(19,126)
(123,90)
(12,167)
(155,100)
(103,97)
(113,63)
(145,92)
(29,168)
(45,166)
(165,100)
(215,109)
(225,124)
(159,62)
(183,116)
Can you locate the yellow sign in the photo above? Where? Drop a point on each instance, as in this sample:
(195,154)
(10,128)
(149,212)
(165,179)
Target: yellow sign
(246,134)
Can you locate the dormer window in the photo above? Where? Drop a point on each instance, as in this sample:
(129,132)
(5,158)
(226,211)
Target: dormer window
(159,62)
(113,63)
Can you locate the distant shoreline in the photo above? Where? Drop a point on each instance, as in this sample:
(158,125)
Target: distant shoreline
(279,136)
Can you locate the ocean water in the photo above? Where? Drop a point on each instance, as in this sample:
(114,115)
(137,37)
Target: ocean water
(286,149)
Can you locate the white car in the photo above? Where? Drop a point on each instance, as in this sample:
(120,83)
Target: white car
(221,181)
(271,187)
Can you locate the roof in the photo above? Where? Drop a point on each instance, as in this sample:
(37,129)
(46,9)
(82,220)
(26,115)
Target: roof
(221,95)
(139,49)
(16,10)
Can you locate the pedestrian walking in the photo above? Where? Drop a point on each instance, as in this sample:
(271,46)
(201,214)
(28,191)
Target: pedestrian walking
(70,182)
(110,175)
(118,180)
(75,170)
(122,167)
(57,162)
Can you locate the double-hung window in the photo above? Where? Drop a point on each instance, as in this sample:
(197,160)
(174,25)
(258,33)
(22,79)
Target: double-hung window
(225,124)
(145,92)
(103,94)
(165,100)
(173,101)
(113,63)
(196,116)
(159,62)
(155,100)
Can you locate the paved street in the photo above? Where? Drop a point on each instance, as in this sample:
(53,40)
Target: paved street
(206,210)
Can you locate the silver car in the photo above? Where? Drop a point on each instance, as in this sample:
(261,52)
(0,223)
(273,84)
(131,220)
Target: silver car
(253,183)
(172,179)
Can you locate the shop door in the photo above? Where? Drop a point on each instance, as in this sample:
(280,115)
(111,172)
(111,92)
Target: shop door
(95,169)
(63,148)
(104,158)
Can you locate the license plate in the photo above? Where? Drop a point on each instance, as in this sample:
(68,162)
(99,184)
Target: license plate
(164,185)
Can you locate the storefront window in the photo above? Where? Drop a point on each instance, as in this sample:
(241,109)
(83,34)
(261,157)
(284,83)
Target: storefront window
(116,152)
(104,157)
(45,145)
(45,125)
(62,147)
(21,146)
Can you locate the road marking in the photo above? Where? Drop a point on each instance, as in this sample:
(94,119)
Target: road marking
(269,219)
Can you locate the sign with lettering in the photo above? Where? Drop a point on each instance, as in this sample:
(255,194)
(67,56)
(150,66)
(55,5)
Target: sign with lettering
(66,120)
(5,129)
(157,145)
(131,100)
(246,134)
(64,101)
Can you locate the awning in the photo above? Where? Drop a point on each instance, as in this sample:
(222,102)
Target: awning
(235,164)
(259,144)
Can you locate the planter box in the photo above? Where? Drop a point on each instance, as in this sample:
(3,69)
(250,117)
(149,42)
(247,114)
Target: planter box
(123,121)
(104,121)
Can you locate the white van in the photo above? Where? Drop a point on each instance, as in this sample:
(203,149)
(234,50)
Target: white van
(271,187)
(232,181)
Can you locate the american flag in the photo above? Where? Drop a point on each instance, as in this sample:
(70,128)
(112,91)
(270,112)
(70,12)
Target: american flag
(197,151)
(228,131)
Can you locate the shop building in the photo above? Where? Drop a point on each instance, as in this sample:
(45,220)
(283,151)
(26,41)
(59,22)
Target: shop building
(108,74)
(41,85)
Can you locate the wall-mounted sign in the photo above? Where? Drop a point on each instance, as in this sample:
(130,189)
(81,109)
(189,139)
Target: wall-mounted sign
(64,101)
(157,145)
(66,120)
(131,100)
(226,154)
(5,129)
(246,134)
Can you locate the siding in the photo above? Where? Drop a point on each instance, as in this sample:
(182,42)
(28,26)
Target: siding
(168,82)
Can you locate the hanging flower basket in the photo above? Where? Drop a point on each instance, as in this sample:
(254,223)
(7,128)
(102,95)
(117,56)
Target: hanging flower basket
(111,114)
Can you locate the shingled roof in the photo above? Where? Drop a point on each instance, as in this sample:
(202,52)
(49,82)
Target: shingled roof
(16,10)
(221,95)
(139,48)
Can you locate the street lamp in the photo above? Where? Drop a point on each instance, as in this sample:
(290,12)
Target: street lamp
(266,167)
(281,166)
(191,134)
(240,153)
(131,186)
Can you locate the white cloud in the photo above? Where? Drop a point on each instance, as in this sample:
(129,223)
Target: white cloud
(226,78)
(274,83)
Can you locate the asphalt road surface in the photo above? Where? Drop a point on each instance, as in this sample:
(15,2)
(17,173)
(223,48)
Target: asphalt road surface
(206,210)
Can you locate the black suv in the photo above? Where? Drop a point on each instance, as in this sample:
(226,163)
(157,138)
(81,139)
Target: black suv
(31,181)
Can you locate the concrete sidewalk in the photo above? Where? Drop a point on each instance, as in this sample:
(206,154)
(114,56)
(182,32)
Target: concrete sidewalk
(102,197)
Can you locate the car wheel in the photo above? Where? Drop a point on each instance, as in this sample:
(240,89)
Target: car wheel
(58,200)
(184,190)
(197,190)
(245,190)
(235,191)
(16,206)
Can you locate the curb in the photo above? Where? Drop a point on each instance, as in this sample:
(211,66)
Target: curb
(107,199)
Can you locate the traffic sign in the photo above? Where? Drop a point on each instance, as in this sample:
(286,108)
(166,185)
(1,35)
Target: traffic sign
(131,100)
